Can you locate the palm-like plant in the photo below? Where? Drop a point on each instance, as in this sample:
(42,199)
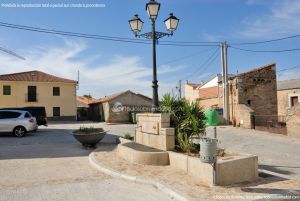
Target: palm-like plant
(188,120)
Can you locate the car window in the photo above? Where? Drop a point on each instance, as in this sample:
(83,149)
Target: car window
(27,114)
(9,115)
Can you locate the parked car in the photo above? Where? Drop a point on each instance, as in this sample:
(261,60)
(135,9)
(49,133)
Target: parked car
(38,112)
(17,122)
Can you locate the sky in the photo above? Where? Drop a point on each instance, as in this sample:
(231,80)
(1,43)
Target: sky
(108,67)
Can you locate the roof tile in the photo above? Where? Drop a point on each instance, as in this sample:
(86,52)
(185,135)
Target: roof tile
(33,76)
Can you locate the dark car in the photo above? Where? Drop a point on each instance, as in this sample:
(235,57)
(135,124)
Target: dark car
(38,112)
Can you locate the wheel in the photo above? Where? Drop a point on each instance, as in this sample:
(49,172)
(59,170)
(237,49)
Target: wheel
(19,131)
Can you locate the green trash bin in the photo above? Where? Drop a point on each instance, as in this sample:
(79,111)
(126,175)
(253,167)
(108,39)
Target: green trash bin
(212,117)
(133,117)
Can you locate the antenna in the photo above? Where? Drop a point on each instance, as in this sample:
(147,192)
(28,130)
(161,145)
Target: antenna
(77,85)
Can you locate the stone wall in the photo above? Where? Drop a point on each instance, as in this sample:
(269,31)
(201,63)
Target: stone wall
(154,130)
(128,100)
(283,97)
(243,117)
(293,122)
(253,92)
(258,90)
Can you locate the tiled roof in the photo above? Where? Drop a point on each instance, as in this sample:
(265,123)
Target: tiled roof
(113,96)
(108,98)
(84,101)
(33,76)
(207,93)
(288,84)
(272,65)
(194,85)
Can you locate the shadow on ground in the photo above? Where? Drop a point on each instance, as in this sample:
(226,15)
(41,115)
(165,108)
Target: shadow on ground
(46,143)
(277,169)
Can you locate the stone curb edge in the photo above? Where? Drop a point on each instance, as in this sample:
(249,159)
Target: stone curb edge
(140,180)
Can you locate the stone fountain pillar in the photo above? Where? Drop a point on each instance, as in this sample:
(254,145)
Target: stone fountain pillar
(154,130)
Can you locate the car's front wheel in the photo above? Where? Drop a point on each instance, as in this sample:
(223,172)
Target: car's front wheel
(19,131)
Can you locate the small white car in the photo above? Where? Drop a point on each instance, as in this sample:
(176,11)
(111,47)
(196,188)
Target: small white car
(17,122)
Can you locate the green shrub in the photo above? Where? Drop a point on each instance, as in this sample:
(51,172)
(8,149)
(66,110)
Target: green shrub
(128,136)
(188,120)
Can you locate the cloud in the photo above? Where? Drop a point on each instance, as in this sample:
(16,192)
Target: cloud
(119,73)
(281,19)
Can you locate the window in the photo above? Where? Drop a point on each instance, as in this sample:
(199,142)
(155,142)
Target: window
(6,90)
(56,91)
(31,96)
(9,115)
(249,102)
(27,115)
(56,111)
(294,101)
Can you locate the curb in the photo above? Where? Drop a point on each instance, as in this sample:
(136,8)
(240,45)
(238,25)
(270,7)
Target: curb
(135,179)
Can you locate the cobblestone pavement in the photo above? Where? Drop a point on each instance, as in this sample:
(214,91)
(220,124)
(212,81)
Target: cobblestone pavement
(276,153)
(192,188)
(52,165)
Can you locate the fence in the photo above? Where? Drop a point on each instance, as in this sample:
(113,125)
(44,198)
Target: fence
(270,123)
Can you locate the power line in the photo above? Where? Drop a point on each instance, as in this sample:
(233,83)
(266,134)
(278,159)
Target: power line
(48,31)
(266,41)
(188,56)
(208,65)
(193,42)
(11,53)
(134,40)
(290,68)
(208,60)
(265,51)
(100,37)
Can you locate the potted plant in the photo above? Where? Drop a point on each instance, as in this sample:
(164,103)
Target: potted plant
(89,136)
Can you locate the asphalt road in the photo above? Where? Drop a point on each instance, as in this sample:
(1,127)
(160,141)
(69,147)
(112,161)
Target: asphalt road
(276,153)
(52,165)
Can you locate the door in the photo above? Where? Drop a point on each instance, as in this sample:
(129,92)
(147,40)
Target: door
(294,101)
(31,94)
(8,120)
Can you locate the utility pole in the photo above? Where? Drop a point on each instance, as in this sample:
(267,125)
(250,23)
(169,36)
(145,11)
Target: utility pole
(224,62)
(179,89)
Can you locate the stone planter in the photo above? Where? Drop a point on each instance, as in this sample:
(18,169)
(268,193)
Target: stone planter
(232,169)
(89,139)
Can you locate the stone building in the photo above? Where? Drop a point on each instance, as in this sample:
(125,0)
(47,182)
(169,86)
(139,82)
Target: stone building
(288,95)
(116,108)
(252,92)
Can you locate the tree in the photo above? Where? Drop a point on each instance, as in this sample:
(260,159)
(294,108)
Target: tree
(87,96)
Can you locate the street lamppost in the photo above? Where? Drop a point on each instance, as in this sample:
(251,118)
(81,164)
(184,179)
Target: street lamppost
(136,25)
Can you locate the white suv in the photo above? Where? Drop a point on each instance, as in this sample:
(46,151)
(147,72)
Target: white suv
(17,122)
